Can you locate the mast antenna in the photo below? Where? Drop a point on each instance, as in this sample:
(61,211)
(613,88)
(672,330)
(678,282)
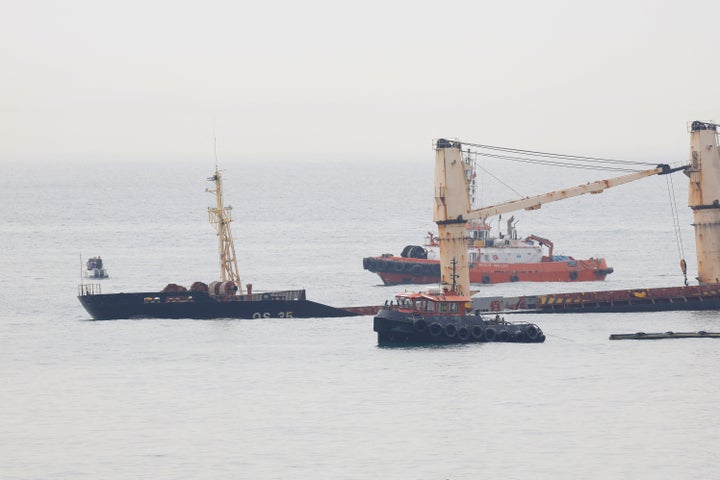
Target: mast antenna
(215,142)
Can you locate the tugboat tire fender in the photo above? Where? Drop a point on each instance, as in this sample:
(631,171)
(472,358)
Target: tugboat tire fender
(514,278)
(504,336)
(420,325)
(477,332)
(573,275)
(463,334)
(486,279)
(532,332)
(520,336)
(436,329)
(451,330)
(490,335)
(398,266)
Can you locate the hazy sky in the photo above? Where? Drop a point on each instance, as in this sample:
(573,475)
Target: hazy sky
(364,80)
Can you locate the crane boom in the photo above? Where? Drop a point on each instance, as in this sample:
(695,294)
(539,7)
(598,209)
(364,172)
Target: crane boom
(535,202)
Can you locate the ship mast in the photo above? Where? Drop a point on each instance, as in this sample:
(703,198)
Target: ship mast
(220,218)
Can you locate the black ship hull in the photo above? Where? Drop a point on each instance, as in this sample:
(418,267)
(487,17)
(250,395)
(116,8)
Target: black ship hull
(200,305)
(394,327)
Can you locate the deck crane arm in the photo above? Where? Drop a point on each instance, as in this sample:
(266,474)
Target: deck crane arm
(535,202)
(452,209)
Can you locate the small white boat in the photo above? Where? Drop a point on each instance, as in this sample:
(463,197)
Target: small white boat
(94,268)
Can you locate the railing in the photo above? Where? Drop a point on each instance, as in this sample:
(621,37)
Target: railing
(288,295)
(280,295)
(89,289)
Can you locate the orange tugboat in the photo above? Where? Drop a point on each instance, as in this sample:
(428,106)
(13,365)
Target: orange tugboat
(491,260)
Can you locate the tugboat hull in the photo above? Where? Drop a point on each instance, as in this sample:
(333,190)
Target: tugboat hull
(395,327)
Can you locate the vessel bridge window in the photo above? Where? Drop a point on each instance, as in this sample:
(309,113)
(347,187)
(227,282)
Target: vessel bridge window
(428,306)
(406,303)
(453,307)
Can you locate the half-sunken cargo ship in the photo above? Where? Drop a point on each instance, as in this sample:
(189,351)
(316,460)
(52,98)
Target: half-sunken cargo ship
(219,299)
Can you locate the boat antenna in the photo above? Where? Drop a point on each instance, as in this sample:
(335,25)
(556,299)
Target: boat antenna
(215,142)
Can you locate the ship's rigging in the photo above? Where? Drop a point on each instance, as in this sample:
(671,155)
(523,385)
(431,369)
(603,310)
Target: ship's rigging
(554,159)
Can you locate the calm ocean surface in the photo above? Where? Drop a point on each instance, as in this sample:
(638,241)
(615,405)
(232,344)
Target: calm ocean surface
(317,398)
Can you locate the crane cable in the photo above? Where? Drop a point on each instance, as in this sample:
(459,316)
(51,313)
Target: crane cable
(545,158)
(554,159)
(676,226)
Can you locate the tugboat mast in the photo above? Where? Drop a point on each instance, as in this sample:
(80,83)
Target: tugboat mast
(220,218)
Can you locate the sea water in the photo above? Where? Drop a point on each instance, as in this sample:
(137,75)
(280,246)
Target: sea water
(318,398)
